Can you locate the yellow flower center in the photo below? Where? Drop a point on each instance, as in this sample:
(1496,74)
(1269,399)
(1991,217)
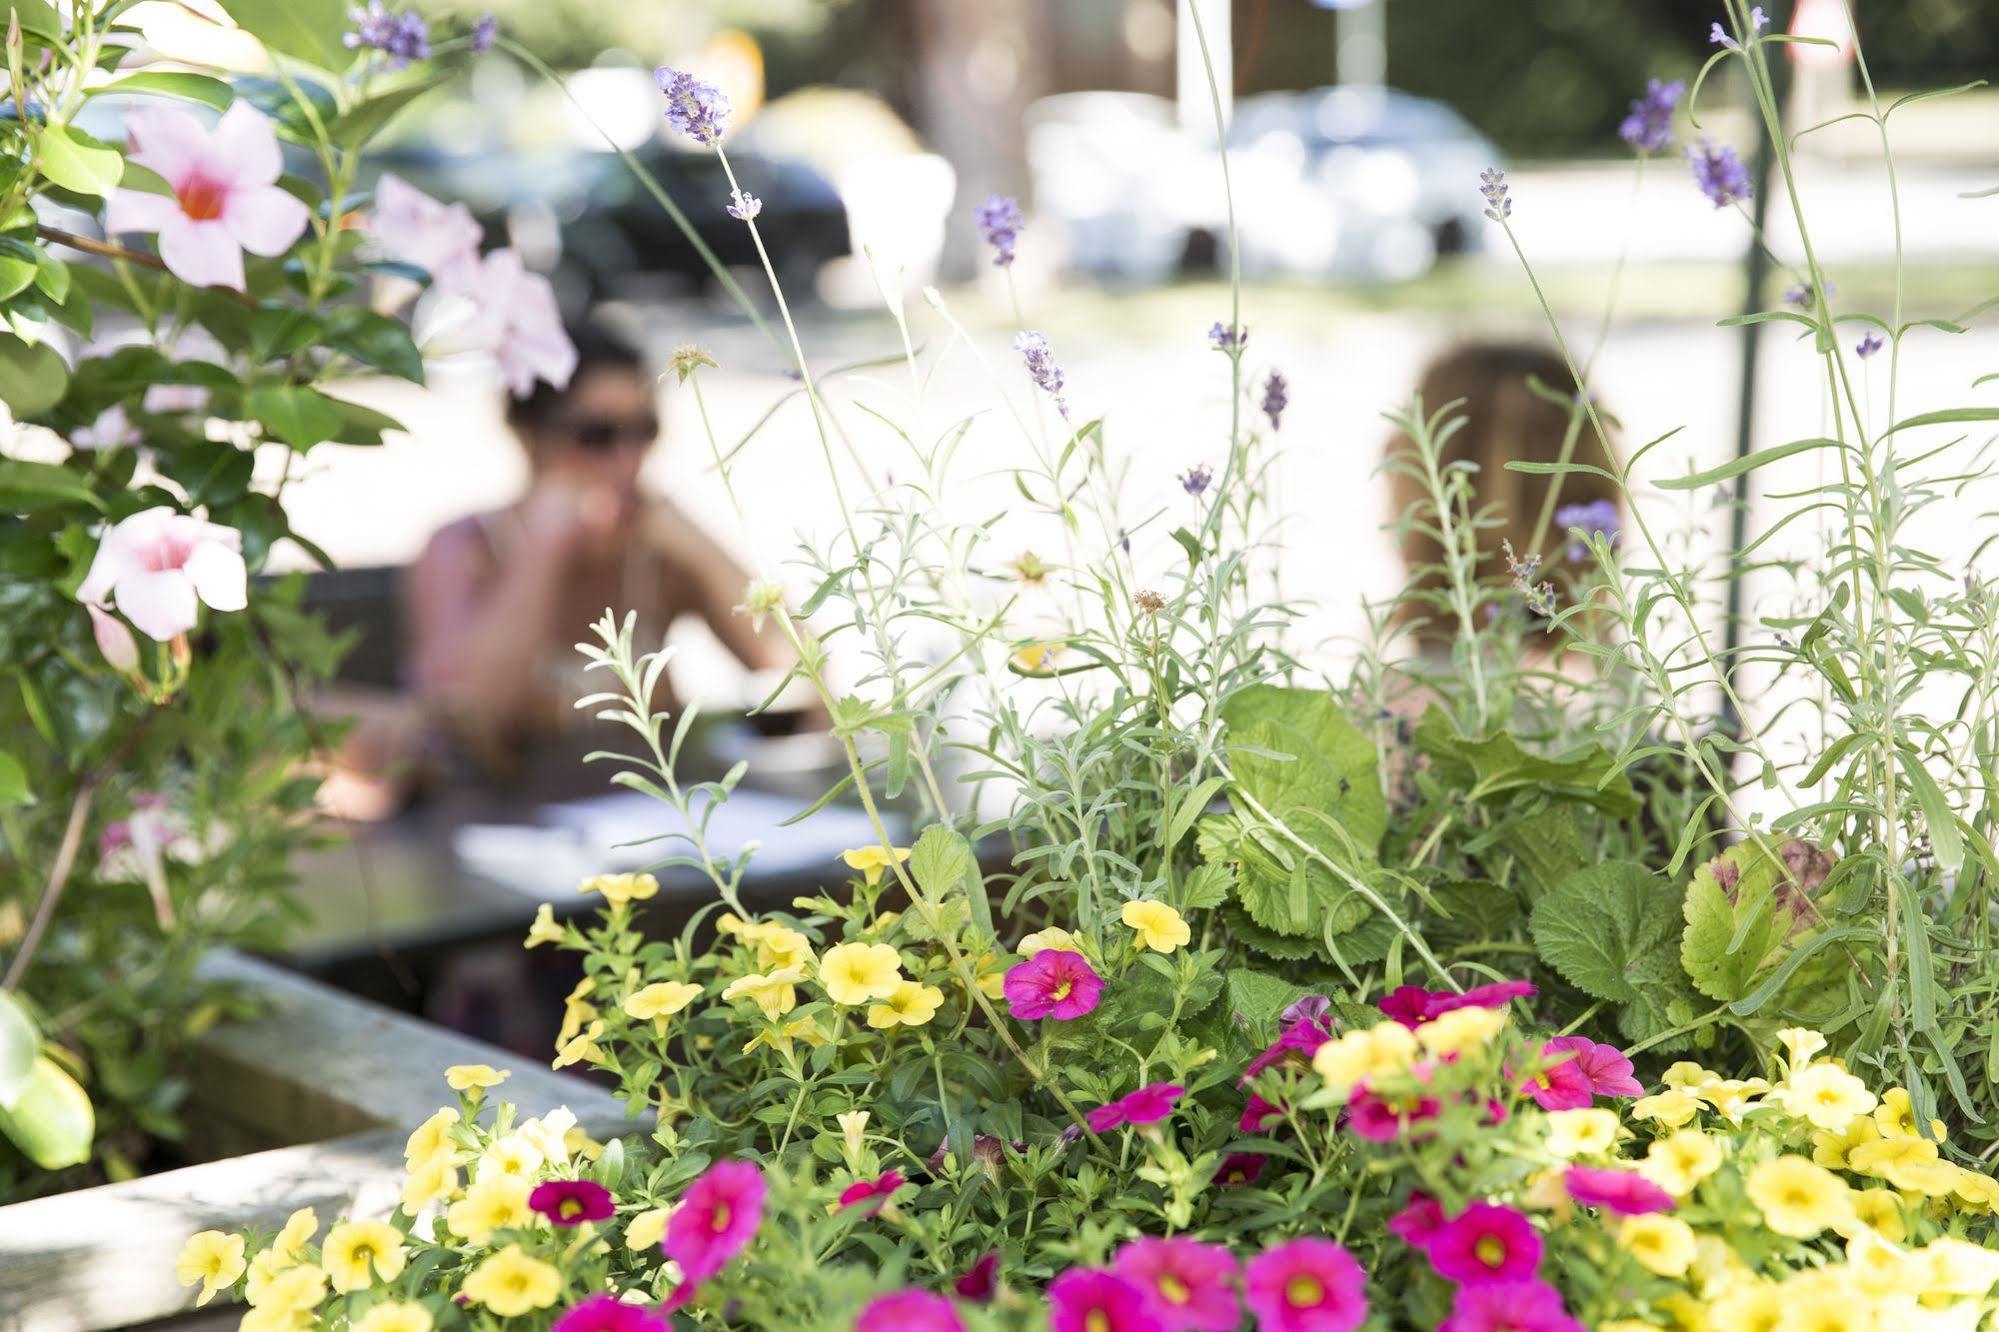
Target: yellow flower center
(1303,1292)
(1062,991)
(570,1207)
(719,1219)
(1096,1320)
(1490,1250)
(1174,1289)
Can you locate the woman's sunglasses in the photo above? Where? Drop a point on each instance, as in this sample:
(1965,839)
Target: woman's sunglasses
(603,434)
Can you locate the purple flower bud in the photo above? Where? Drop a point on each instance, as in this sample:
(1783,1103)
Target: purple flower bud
(1196,479)
(1276,397)
(484,33)
(1229,338)
(746,207)
(1649,127)
(1869,345)
(1719,173)
(1718,36)
(1492,184)
(1040,358)
(1598,517)
(695,109)
(1000,222)
(402,36)
(1803,297)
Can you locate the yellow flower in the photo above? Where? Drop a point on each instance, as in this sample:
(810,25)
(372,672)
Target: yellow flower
(1159,926)
(911,1005)
(582,1049)
(396,1316)
(510,1283)
(660,1000)
(1798,1198)
(576,1011)
(619,889)
(1958,1267)
(780,1038)
(646,1229)
(265,1268)
(1825,1308)
(582,1145)
(1907,1163)
(512,1155)
(213,1259)
(467,1077)
(856,973)
(1826,1096)
(1896,1117)
(1979,1193)
(1672,1107)
(354,1247)
(430,1179)
(432,1136)
(1880,1210)
(853,1130)
(990,976)
(550,1134)
(1661,1244)
(1754,1308)
(1054,937)
(1881,1268)
(776,994)
(779,946)
(870,861)
(297,1289)
(1461,1031)
(497,1202)
(1036,657)
(730,924)
(1730,1096)
(1831,1149)
(1800,1044)
(1687,1075)
(1573,1133)
(544,930)
(1369,1052)
(1681,1160)
(299,1229)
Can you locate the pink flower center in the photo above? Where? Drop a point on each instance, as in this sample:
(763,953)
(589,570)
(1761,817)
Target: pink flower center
(201,198)
(164,553)
(1490,1250)
(1304,1292)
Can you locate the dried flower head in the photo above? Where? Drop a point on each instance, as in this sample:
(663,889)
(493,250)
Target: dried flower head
(1150,602)
(762,599)
(687,358)
(1540,597)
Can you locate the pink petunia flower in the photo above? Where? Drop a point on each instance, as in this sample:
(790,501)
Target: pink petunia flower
(1608,1071)
(1381,1119)
(1621,1192)
(1509,1306)
(1259,1114)
(1053,983)
(1148,1105)
(410,227)
(1564,1085)
(156,565)
(1306,1285)
(225,198)
(717,1216)
(1089,1299)
(876,1191)
(1486,1243)
(909,1311)
(1412,1005)
(1191,1284)
(1418,1222)
(1298,1041)
(608,1313)
(571,1202)
(981,1280)
(1239,1169)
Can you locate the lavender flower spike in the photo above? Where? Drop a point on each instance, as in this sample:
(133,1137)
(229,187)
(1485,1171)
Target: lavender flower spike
(1196,479)
(1040,358)
(1870,344)
(1227,339)
(695,109)
(744,207)
(1492,184)
(1719,173)
(400,35)
(1000,222)
(1276,397)
(1649,127)
(1718,35)
(484,33)
(1598,517)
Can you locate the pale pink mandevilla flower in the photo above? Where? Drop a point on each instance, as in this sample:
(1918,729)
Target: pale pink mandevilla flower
(154,567)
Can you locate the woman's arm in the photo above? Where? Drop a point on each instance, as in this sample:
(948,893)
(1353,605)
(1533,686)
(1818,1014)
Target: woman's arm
(712,586)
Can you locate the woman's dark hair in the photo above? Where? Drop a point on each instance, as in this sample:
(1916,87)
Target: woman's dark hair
(598,347)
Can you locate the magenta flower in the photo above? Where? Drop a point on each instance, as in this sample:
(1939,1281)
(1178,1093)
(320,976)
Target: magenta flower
(1089,1299)
(909,1311)
(1509,1306)
(571,1202)
(1240,1168)
(1412,1005)
(1418,1222)
(410,227)
(1053,983)
(1622,1192)
(1486,1243)
(875,1190)
(156,565)
(1608,1071)
(1300,1039)
(717,1216)
(1563,1085)
(1380,1119)
(1259,1114)
(225,196)
(608,1313)
(981,1280)
(1148,1105)
(1306,1285)
(1191,1284)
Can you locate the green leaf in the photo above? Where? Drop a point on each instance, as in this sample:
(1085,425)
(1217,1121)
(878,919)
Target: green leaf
(75,161)
(1258,998)
(52,276)
(1955,416)
(376,341)
(1728,471)
(164,83)
(14,788)
(1729,943)
(301,417)
(38,19)
(1498,765)
(364,121)
(1281,887)
(1605,925)
(1945,841)
(33,485)
(361,425)
(1331,765)
(32,376)
(308,30)
(1206,887)
(947,870)
(51,1120)
(19,267)
(19,1044)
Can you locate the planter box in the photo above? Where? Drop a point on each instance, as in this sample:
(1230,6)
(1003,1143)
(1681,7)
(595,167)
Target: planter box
(311,1103)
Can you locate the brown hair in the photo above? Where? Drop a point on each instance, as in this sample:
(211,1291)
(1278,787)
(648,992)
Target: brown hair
(1511,396)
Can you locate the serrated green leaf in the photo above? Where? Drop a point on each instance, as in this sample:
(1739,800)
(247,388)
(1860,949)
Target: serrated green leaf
(1331,764)
(1730,942)
(1257,998)
(1497,765)
(1607,926)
